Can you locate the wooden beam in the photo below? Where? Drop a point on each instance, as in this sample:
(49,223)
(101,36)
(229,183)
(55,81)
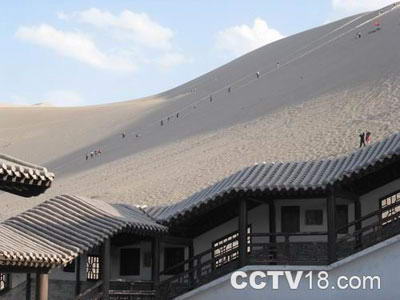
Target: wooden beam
(106,255)
(22,269)
(242,232)
(28,286)
(346,194)
(176,240)
(331,214)
(42,286)
(77,275)
(259,201)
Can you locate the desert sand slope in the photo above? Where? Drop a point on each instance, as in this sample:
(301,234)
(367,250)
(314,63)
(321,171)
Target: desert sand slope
(328,86)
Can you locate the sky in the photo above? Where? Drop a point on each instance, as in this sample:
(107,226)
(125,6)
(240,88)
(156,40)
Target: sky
(86,52)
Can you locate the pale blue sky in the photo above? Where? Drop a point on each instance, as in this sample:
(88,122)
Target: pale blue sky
(97,51)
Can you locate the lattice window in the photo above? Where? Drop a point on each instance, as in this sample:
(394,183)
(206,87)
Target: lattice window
(93,267)
(4,282)
(226,245)
(393,213)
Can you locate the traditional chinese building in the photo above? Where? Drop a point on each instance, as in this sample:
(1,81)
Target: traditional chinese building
(335,214)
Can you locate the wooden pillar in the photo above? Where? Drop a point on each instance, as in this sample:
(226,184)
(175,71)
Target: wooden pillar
(191,264)
(155,265)
(28,286)
(106,260)
(358,225)
(272,229)
(272,221)
(331,214)
(242,232)
(42,286)
(77,276)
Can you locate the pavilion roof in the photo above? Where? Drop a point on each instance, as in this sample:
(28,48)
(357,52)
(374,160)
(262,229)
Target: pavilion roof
(280,177)
(23,178)
(58,230)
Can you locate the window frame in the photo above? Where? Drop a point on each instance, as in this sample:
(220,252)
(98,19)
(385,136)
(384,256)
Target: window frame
(7,282)
(96,275)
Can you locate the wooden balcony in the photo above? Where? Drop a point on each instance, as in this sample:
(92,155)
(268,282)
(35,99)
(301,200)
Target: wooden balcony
(303,248)
(300,248)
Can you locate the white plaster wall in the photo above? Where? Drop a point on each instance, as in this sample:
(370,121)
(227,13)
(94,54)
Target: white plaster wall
(304,205)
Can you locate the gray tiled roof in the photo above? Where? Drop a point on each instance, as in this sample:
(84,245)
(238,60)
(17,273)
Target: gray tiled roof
(23,178)
(306,175)
(58,230)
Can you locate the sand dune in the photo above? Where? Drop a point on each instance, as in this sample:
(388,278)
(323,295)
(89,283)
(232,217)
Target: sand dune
(328,86)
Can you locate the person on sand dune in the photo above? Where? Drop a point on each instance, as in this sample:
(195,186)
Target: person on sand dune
(362,139)
(123,135)
(368,137)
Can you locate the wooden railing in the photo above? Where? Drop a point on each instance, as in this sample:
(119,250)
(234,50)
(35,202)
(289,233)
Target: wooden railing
(198,270)
(262,248)
(368,230)
(138,290)
(93,293)
(300,248)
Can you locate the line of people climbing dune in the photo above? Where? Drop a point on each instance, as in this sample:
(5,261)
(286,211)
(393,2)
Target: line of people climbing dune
(363,140)
(93,154)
